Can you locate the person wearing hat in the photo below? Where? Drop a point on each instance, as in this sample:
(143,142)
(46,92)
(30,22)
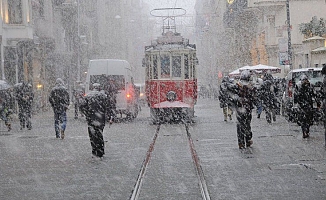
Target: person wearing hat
(304,98)
(59,100)
(95,107)
(244,99)
(224,98)
(24,96)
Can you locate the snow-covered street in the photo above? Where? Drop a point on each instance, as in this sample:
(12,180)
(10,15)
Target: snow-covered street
(279,165)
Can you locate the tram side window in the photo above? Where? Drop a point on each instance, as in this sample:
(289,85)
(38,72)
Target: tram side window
(186,63)
(194,66)
(176,66)
(165,66)
(155,71)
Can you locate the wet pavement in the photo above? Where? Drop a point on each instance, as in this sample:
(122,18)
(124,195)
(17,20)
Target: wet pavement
(280,164)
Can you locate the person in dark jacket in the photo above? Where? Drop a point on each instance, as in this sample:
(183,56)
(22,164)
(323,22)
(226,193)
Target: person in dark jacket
(5,107)
(59,100)
(304,98)
(323,72)
(24,97)
(224,98)
(244,100)
(79,93)
(95,107)
(268,97)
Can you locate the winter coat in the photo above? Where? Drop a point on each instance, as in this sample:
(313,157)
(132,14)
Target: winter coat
(304,97)
(323,95)
(59,98)
(268,94)
(244,98)
(24,96)
(224,96)
(95,107)
(5,102)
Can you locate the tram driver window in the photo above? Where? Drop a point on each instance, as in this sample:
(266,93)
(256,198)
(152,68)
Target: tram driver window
(176,66)
(165,66)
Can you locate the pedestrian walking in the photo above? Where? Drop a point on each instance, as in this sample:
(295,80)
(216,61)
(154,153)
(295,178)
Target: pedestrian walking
(268,97)
(259,103)
(224,98)
(304,98)
(59,100)
(24,97)
(79,93)
(5,107)
(95,107)
(244,100)
(111,90)
(323,72)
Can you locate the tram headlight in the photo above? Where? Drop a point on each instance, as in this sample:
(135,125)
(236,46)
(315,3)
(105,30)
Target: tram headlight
(171,96)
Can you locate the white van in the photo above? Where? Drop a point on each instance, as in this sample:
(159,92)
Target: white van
(117,74)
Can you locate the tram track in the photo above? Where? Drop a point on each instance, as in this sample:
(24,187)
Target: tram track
(195,160)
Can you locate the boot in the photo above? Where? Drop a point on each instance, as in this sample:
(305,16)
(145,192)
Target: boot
(241,146)
(62,134)
(9,126)
(249,143)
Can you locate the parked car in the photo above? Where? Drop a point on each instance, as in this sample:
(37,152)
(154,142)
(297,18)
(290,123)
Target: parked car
(289,108)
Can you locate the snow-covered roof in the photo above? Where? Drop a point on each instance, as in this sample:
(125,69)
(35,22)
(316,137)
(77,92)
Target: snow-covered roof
(314,38)
(307,69)
(319,49)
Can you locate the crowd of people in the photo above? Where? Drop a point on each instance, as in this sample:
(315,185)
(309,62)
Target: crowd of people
(265,94)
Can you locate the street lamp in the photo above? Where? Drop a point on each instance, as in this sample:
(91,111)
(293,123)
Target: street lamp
(78,45)
(289,32)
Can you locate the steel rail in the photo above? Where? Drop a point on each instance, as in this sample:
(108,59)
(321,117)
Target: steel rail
(198,169)
(136,190)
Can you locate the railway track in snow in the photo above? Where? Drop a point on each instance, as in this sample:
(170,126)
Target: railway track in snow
(197,171)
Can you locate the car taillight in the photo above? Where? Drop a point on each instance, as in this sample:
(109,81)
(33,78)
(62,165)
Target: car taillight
(290,88)
(128,96)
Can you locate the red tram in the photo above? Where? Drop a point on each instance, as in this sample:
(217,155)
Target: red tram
(171,81)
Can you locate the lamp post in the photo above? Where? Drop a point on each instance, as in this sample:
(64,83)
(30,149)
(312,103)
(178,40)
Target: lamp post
(78,42)
(289,32)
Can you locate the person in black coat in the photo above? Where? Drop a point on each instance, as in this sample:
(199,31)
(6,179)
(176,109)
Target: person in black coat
(244,100)
(5,107)
(268,97)
(323,72)
(304,98)
(95,107)
(59,100)
(224,98)
(24,96)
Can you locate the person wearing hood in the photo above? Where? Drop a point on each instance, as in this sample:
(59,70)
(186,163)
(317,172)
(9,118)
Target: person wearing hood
(224,98)
(304,98)
(59,100)
(24,97)
(95,107)
(244,100)
(268,97)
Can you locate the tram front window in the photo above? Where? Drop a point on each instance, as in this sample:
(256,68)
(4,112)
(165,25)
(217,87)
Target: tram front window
(165,66)
(176,66)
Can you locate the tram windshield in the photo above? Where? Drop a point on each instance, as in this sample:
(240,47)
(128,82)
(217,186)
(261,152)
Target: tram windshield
(165,66)
(176,66)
